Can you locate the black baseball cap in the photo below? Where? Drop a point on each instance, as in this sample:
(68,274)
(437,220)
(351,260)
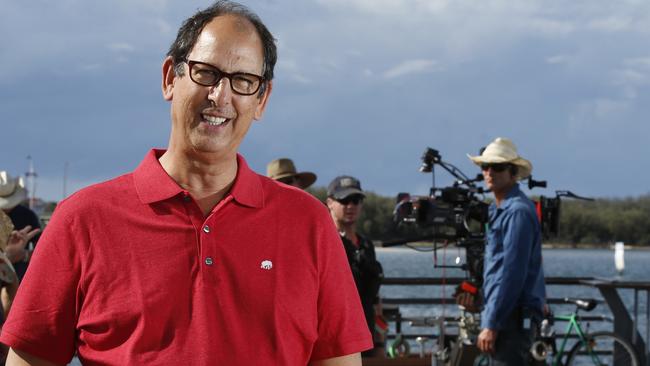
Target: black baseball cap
(344,186)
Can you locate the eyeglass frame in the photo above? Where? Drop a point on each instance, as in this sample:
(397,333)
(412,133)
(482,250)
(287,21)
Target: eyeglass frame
(222,74)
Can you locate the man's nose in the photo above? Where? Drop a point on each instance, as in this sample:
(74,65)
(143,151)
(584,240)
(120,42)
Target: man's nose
(221,92)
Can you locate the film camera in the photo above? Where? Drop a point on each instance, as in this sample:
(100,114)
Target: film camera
(456,214)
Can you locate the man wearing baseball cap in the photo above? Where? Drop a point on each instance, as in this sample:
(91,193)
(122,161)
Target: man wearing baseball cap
(513,288)
(345,202)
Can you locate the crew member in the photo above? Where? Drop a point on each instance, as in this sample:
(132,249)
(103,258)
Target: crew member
(283,170)
(513,288)
(193,259)
(12,194)
(345,202)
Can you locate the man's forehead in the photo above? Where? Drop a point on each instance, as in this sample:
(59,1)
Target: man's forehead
(234,25)
(228,31)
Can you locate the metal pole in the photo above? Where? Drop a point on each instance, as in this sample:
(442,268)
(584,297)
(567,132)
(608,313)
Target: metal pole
(635,321)
(31,176)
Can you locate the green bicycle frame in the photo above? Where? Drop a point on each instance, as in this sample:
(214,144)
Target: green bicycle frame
(573,323)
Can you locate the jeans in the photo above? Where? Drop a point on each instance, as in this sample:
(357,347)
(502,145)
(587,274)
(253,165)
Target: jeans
(513,342)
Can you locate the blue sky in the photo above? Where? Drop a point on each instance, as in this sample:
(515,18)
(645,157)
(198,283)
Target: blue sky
(362,87)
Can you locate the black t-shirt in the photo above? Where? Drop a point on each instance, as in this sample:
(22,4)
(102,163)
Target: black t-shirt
(367,273)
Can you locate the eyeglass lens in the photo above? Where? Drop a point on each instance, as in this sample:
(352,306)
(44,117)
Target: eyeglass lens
(495,167)
(208,75)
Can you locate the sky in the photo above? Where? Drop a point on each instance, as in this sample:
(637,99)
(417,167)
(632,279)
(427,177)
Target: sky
(362,87)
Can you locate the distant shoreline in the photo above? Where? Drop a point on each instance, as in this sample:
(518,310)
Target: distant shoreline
(544,246)
(590,246)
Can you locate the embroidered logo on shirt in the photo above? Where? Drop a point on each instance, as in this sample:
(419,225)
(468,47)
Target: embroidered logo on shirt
(267,264)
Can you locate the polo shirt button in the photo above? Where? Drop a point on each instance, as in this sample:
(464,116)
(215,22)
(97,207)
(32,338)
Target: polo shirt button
(187,198)
(209,261)
(206,229)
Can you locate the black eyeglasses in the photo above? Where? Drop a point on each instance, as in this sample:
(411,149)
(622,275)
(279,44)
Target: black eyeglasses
(241,83)
(355,200)
(495,167)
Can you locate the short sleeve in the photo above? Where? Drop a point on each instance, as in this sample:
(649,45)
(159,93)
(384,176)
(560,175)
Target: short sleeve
(43,316)
(342,328)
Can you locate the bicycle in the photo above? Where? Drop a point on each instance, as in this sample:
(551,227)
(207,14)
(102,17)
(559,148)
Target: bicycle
(597,348)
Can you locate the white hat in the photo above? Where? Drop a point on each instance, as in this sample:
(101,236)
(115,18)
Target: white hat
(502,150)
(12,191)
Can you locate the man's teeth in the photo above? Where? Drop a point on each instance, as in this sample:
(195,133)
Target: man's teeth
(214,121)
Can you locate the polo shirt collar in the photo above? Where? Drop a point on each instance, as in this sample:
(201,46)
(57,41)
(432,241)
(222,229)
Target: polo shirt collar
(153,184)
(247,188)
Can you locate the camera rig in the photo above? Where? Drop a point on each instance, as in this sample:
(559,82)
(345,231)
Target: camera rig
(450,215)
(458,214)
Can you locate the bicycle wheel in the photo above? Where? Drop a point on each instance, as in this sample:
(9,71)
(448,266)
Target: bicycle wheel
(602,348)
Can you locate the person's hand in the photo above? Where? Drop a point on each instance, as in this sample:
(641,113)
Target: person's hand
(17,241)
(468,302)
(486,340)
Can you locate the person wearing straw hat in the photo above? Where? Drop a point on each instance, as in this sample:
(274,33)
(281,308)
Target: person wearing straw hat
(12,194)
(283,170)
(513,288)
(8,277)
(193,258)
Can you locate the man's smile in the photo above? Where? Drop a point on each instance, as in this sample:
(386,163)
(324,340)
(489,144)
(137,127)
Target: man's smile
(213,120)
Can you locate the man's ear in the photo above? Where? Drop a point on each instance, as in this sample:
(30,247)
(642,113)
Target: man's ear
(259,110)
(168,77)
(329,202)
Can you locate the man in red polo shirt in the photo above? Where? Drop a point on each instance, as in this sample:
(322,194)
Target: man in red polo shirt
(193,259)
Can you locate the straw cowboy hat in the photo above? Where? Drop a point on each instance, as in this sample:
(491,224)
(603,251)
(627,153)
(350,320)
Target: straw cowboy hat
(6,227)
(502,150)
(7,271)
(283,168)
(12,191)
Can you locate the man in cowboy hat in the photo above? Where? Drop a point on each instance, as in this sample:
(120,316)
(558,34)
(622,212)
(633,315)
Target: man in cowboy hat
(345,202)
(283,170)
(193,258)
(12,194)
(8,278)
(513,288)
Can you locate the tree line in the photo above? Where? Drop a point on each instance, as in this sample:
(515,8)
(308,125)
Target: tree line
(600,222)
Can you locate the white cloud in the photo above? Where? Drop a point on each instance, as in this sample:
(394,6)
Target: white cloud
(557,59)
(410,67)
(610,24)
(121,47)
(598,114)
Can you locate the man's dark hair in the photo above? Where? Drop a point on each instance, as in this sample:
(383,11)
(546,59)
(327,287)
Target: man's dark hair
(189,32)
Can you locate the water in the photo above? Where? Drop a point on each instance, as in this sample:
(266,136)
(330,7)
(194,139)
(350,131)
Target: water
(599,263)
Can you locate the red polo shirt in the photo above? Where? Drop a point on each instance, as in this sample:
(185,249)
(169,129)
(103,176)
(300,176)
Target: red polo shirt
(130,272)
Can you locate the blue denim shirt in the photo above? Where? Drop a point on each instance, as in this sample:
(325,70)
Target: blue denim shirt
(513,273)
